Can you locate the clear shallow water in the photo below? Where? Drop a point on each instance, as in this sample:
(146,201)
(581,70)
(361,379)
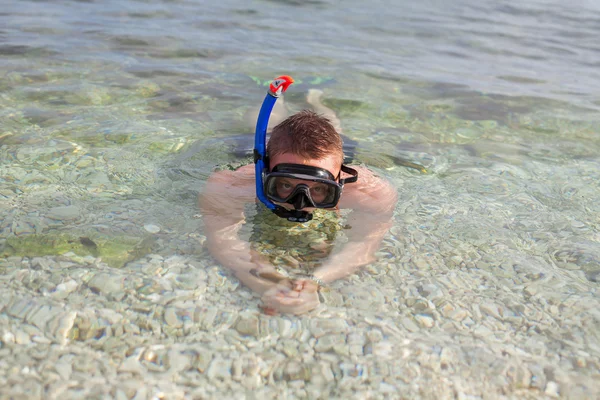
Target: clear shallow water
(113,114)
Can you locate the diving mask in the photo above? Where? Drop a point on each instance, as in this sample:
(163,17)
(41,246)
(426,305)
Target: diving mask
(305,186)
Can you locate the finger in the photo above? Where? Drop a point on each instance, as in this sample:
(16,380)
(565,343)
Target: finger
(284,301)
(304,285)
(289,302)
(286,291)
(271,276)
(269,310)
(290,306)
(292,294)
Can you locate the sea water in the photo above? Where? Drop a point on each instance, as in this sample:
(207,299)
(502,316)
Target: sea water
(113,114)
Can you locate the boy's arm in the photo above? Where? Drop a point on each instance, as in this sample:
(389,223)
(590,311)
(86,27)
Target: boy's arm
(222,205)
(373,203)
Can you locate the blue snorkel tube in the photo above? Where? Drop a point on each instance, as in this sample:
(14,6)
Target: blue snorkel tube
(276,88)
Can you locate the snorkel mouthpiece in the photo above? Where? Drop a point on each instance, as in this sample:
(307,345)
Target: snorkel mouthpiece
(276,88)
(293,215)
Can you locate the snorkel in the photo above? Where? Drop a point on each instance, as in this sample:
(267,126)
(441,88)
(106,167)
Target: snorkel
(276,88)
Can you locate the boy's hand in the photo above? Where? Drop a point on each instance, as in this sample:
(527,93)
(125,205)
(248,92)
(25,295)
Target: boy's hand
(305,285)
(281,298)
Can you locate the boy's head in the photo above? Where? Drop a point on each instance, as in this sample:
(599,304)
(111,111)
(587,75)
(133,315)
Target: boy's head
(305,166)
(306,135)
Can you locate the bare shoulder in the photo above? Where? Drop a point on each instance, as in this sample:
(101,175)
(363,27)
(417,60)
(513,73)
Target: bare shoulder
(226,188)
(368,181)
(370,192)
(227,180)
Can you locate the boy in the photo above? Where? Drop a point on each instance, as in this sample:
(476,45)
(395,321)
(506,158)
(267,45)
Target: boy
(308,142)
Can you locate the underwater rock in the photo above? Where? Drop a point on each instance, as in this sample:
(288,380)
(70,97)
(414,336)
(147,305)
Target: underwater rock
(63,213)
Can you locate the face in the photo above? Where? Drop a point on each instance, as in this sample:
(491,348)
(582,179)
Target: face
(318,191)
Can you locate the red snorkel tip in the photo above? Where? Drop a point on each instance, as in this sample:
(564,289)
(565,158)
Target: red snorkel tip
(280,85)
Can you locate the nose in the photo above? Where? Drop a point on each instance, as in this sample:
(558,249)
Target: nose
(300,201)
(301,198)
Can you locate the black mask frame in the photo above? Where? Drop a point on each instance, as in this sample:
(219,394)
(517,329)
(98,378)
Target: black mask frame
(300,196)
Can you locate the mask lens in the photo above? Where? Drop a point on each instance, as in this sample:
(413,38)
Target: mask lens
(321,193)
(284,187)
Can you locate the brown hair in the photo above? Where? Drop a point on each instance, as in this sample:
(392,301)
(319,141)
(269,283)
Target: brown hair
(306,134)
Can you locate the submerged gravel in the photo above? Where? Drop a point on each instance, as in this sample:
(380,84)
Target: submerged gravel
(177,327)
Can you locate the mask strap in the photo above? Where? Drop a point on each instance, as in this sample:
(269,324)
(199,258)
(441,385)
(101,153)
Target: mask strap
(350,171)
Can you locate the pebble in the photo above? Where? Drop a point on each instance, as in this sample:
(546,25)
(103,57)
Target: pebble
(171,318)
(387,388)
(327,342)
(458,315)
(178,361)
(64,368)
(22,338)
(152,228)
(491,309)
(219,369)
(409,324)
(383,350)
(374,335)
(132,364)
(431,291)
(425,320)
(294,370)
(248,326)
(482,331)
(285,327)
(62,290)
(107,284)
(552,389)
(320,327)
(8,337)
(203,360)
(64,213)
(290,348)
